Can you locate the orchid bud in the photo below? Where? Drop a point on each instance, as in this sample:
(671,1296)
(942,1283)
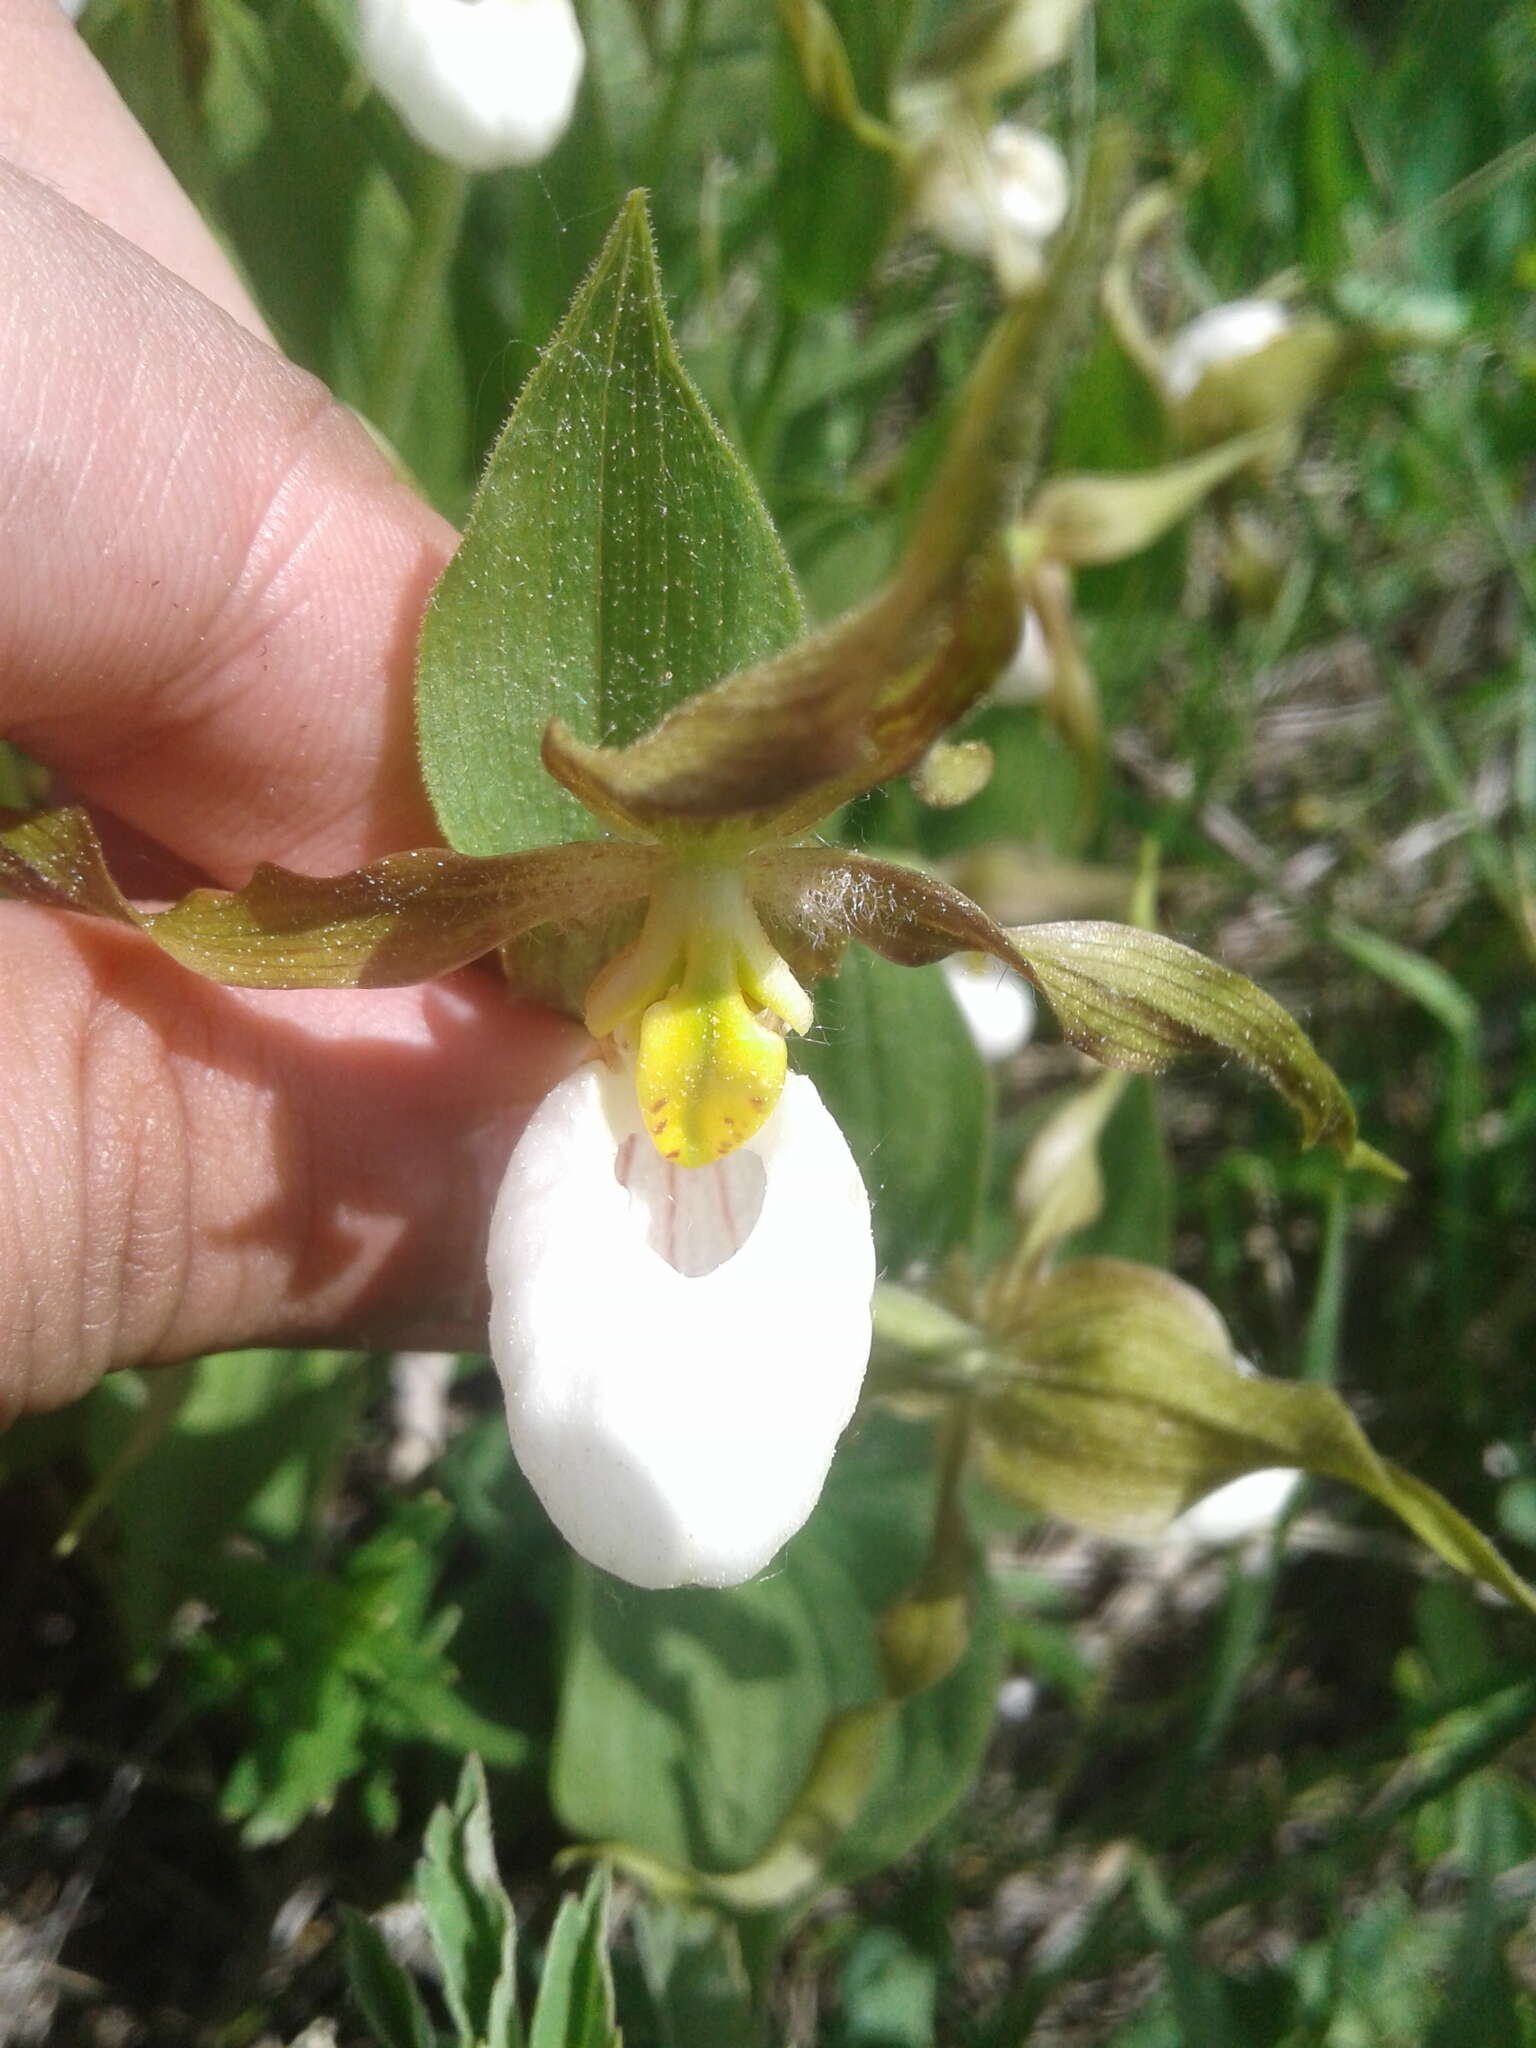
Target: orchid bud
(484,83)
(997,44)
(1241,1510)
(1226,334)
(680,1347)
(1248,367)
(1000,200)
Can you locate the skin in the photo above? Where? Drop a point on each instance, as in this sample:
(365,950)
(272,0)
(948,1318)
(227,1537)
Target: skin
(210,591)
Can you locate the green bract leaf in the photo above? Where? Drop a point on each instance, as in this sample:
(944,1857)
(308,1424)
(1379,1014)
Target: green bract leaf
(617,559)
(772,749)
(1114,1401)
(1136,999)
(405,918)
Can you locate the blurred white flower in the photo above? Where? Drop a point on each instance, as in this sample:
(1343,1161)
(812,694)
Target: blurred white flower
(999,198)
(1223,335)
(1031,671)
(1250,1506)
(998,1005)
(482,82)
(680,1348)
(1034,35)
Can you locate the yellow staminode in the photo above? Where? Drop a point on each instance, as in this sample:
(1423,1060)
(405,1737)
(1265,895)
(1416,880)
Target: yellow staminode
(696,1001)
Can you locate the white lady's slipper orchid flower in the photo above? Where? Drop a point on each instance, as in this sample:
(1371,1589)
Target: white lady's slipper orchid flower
(680,1347)
(998,1006)
(1000,199)
(1029,675)
(484,83)
(1243,1508)
(700,1001)
(1223,335)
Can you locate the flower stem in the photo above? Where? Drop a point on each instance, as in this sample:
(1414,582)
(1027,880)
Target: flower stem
(439,215)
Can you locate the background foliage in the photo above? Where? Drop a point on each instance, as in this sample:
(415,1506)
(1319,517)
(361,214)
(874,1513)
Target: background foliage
(1278,1795)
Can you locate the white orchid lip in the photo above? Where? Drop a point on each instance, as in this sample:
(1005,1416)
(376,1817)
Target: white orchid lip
(484,83)
(681,1353)
(1226,334)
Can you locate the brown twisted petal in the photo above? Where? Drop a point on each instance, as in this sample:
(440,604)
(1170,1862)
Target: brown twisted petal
(406,918)
(899,912)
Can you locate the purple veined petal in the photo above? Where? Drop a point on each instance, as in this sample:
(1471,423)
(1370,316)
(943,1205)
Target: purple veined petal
(680,1349)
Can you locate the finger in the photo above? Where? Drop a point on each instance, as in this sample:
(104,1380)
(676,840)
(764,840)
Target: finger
(62,121)
(185,1169)
(213,580)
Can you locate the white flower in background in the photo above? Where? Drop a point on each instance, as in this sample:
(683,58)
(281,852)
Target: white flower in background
(680,1348)
(1034,35)
(999,198)
(1226,334)
(1031,671)
(484,83)
(1246,1507)
(998,1005)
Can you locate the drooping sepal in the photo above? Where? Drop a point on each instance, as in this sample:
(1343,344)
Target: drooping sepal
(1134,999)
(1128,998)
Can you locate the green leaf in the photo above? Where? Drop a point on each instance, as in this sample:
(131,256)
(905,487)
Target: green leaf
(575,2006)
(408,917)
(1118,1405)
(690,1722)
(617,559)
(893,1061)
(247,1444)
(774,748)
(470,1917)
(331,1672)
(1136,1000)
(694,1972)
(387,1999)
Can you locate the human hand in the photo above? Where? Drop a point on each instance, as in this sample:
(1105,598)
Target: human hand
(208,606)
